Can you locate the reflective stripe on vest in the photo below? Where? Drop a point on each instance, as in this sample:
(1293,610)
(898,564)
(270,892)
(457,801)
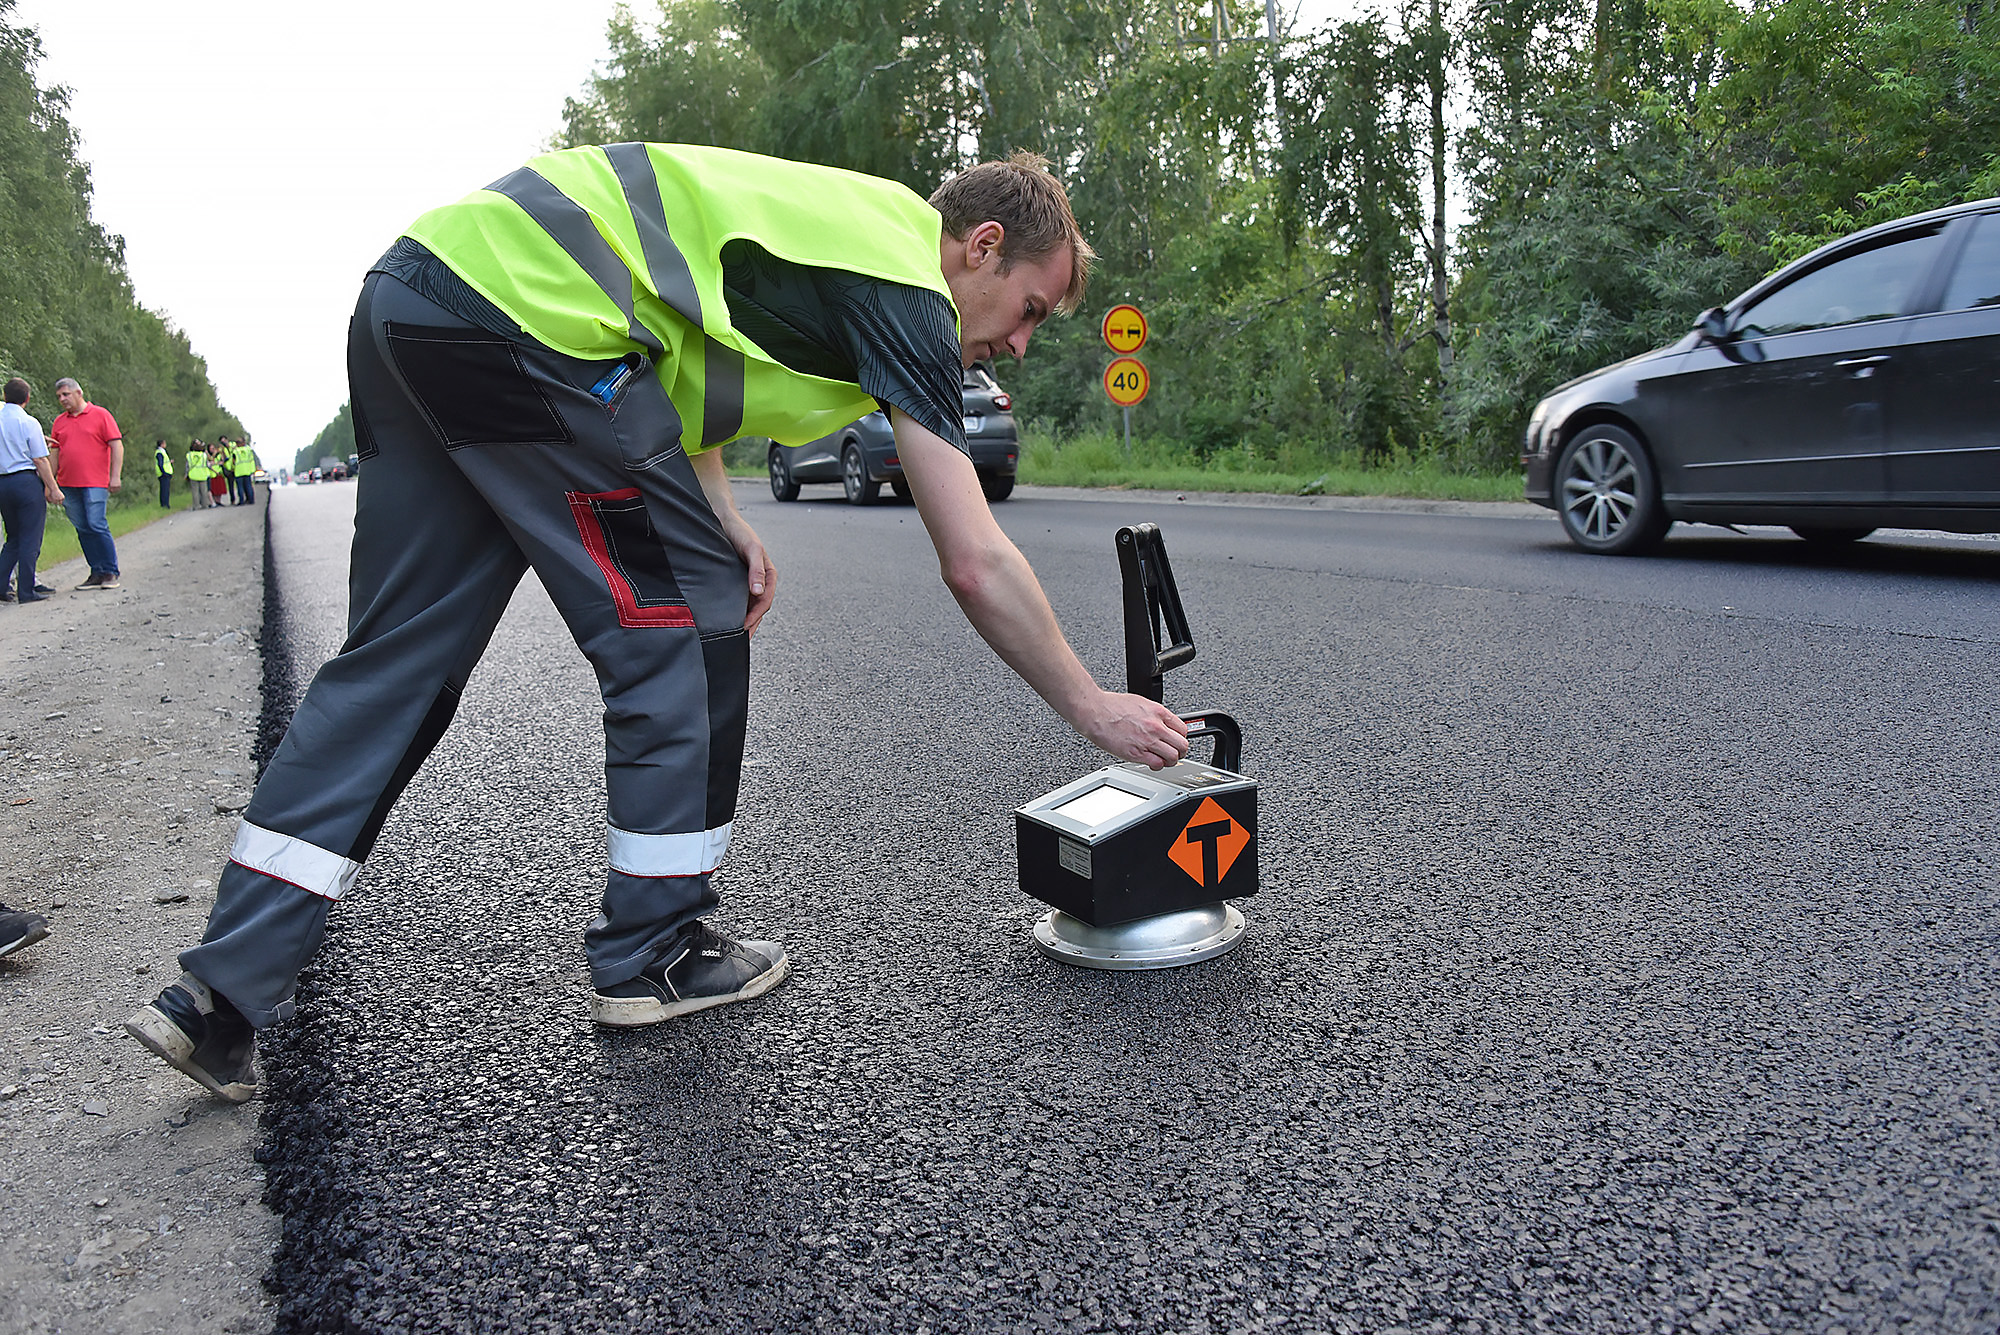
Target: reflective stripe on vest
(566,221)
(722,366)
(577,249)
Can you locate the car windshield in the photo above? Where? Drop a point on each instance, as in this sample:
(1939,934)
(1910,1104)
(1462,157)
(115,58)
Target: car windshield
(1873,285)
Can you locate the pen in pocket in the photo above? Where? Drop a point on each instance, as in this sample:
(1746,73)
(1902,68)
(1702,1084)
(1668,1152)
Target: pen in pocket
(615,379)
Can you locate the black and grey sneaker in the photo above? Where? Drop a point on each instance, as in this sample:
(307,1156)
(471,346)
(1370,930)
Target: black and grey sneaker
(96,579)
(202,1036)
(704,969)
(19,928)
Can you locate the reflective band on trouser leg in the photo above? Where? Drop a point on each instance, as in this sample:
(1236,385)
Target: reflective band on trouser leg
(293,861)
(668,854)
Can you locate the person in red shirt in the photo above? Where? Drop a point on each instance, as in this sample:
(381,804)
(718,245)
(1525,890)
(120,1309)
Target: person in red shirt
(90,454)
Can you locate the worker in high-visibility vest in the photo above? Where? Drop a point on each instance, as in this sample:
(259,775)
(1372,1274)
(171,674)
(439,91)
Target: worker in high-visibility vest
(163,468)
(246,471)
(228,464)
(196,460)
(541,375)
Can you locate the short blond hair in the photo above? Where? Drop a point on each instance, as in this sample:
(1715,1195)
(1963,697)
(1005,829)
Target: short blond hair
(1032,208)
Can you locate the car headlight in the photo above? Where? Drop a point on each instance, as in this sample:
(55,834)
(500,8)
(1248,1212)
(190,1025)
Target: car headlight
(1532,442)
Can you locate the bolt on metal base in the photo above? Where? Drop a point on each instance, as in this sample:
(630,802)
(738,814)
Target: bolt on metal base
(1165,941)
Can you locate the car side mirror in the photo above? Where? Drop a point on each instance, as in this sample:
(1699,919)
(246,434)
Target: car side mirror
(1714,325)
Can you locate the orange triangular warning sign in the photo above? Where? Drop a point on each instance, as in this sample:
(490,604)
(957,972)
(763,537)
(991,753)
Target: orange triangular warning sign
(1207,847)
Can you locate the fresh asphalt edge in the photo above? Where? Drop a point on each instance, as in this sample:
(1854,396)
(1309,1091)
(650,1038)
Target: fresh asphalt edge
(299,1121)
(280,682)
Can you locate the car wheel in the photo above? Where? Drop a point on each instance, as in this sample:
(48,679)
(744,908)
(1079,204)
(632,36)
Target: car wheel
(784,486)
(996,486)
(1830,537)
(901,487)
(854,478)
(1609,494)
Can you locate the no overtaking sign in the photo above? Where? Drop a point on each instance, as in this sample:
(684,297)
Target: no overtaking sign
(1124,330)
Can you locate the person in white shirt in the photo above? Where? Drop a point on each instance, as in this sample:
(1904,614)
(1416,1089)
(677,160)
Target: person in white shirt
(27,488)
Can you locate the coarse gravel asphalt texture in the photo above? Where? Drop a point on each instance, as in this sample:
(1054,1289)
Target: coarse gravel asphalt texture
(1625,961)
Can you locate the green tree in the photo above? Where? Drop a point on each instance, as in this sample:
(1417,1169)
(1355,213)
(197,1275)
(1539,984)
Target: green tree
(67,307)
(335,439)
(1831,117)
(1282,218)
(1596,221)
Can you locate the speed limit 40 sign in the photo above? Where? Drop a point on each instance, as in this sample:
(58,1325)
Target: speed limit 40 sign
(1126,381)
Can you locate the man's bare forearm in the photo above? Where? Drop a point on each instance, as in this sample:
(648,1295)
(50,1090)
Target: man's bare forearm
(758,567)
(997,590)
(1000,596)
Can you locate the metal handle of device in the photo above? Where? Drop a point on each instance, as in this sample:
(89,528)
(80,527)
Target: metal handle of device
(1228,737)
(1151,599)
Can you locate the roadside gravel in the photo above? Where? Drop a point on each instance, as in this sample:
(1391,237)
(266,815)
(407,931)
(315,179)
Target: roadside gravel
(129,1200)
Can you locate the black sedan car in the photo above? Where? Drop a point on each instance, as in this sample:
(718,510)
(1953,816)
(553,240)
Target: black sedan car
(861,457)
(1853,389)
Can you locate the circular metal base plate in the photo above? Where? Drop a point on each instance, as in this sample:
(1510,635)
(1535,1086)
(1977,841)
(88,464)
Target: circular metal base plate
(1163,942)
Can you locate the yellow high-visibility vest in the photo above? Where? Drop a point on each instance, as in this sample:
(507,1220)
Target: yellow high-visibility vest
(612,250)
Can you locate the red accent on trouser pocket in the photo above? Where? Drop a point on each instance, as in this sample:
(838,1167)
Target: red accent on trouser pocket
(590,509)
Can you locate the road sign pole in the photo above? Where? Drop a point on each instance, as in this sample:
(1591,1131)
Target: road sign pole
(1128,431)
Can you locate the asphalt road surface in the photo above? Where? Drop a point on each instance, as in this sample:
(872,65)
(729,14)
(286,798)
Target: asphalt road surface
(1626,961)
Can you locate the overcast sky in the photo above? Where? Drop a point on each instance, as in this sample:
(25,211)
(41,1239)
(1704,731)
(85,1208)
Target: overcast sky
(256,157)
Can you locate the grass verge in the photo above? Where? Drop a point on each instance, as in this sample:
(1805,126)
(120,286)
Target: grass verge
(1099,460)
(59,539)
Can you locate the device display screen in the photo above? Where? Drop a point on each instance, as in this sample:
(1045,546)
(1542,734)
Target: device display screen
(1100,804)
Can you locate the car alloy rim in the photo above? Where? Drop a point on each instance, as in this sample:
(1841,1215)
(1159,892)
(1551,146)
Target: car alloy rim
(851,467)
(1598,495)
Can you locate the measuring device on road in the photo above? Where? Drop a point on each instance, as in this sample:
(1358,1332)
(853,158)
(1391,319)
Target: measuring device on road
(1136,863)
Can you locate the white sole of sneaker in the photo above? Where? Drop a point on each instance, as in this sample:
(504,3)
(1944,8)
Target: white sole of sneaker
(629,1012)
(164,1039)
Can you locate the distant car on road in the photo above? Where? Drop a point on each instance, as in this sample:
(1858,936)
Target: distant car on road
(862,457)
(1854,389)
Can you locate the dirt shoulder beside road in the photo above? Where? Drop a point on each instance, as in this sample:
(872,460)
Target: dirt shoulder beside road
(129,1201)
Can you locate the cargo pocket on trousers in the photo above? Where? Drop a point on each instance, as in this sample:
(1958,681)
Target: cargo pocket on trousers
(643,419)
(473,388)
(619,537)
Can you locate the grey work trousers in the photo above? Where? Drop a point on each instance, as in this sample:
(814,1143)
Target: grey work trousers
(483,456)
